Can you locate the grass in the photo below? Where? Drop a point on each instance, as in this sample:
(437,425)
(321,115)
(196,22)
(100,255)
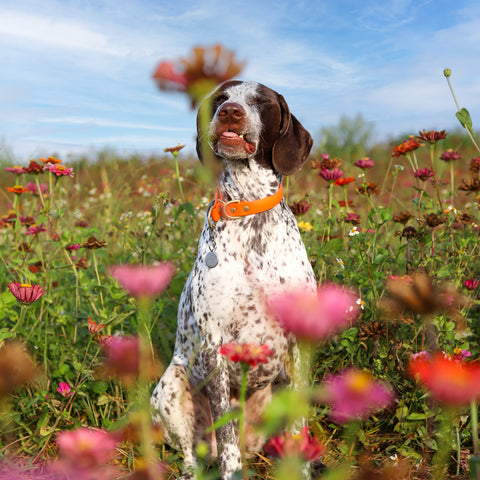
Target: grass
(133,208)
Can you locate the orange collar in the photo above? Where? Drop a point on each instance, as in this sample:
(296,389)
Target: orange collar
(235,208)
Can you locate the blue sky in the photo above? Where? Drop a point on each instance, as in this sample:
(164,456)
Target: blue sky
(75,76)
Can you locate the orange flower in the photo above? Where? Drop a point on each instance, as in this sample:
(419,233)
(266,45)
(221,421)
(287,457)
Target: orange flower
(405,147)
(451,382)
(344,181)
(52,160)
(18,189)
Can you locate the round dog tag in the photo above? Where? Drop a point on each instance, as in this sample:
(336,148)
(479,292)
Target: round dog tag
(211,259)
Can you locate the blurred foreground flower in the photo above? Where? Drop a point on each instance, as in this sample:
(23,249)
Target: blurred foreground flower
(200,73)
(302,445)
(16,367)
(122,360)
(246,353)
(64,389)
(26,293)
(354,394)
(84,454)
(143,281)
(448,380)
(316,315)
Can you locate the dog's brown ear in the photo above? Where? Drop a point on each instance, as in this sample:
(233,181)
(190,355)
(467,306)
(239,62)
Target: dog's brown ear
(291,149)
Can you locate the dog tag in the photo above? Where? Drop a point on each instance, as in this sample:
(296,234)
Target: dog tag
(211,259)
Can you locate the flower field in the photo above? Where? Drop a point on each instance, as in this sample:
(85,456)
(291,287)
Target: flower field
(95,255)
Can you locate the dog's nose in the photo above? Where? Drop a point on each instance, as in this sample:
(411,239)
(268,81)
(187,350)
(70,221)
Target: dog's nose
(231,112)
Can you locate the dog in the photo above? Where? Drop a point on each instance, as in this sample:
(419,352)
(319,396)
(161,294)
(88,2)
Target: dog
(250,244)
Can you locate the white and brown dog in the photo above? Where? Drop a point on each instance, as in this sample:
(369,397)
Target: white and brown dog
(250,244)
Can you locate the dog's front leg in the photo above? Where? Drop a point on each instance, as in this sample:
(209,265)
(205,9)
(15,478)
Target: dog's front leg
(218,391)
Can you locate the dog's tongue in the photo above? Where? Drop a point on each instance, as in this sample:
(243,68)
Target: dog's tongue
(229,134)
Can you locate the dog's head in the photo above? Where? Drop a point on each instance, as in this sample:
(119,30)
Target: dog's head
(250,120)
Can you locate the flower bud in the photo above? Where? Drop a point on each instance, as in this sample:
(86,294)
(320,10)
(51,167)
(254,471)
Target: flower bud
(447,72)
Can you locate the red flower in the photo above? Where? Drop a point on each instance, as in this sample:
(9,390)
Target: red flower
(365,163)
(35,230)
(471,284)
(33,167)
(432,136)
(452,382)
(246,353)
(300,207)
(26,293)
(94,327)
(405,147)
(450,155)
(344,181)
(301,445)
(424,174)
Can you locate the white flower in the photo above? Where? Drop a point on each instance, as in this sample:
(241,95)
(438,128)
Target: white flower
(341,263)
(361,303)
(353,231)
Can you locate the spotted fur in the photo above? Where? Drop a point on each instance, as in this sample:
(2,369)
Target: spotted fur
(256,254)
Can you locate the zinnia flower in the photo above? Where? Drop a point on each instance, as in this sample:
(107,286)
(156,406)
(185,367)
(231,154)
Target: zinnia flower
(330,175)
(471,284)
(18,189)
(302,445)
(35,230)
(452,382)
(143,281)
(300,207)
(424,174)
(314,315)
(355,394)
(94,327)
(352,218)
(33,167)
(365,163)
(246,353)
(344,181)
(59,170)
(17,170)
(84,452)
(450,155)
(432,136)
(405,147)
(26,293)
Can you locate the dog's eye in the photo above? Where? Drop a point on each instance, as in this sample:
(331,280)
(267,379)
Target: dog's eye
(220,99)
(256,101)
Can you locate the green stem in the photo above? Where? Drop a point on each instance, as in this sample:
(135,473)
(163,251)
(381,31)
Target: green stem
(23,310)
(241,420)
(177,170)
(474,423)
(452,184)
(94,256)
(346,198)
(287,188)
(432,155)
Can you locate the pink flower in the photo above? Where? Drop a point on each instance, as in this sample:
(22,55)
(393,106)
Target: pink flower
(314,315)
(330,175)
(355,394)
(143,281)
(64,389)
(352,218)
(84,453)
(33,188)
(72,246)
(26,293)
(424,174)
(471,284)
(17,170)
(246,353)
(35,230)
(365,163)
(450,155)
(122,357)
(422,354)
(59,170)
(301,445)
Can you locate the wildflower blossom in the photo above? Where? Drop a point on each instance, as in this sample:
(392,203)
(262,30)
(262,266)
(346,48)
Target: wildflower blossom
(18,189)
(402,217)
(326,162)
(354,231)
(35,230)
(200,73)
(471,284)
(364,163)
(422,354)
(475,165)
(64,389)
(460,354)
(246,353)
(52,160)
(93,243)
(174,149)
(330,175)
(302,445)
(424,174)
(72,247)
(143,281)
(355,394)
(305,226)
(344,181)
(26,293)
(450,155)
(314,315)
(452,382)
(16,170)
(473,186)
(368,189)
(34,168)
(432,136)
(352,218)
(33,188)
(93,327)
(405,147)
(300,207)
(84,454)
(59,170)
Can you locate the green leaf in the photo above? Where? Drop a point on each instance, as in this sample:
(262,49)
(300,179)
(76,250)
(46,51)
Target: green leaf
(102,400)
(464,118)
(224,419)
